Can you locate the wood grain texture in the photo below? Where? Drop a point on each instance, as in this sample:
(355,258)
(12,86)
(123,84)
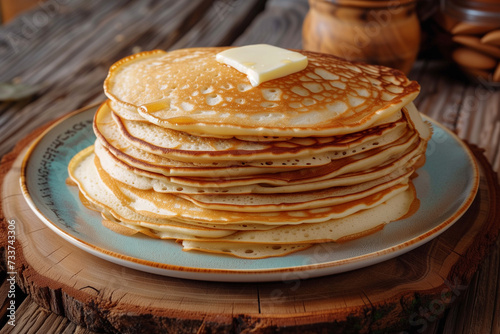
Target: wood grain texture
(280,24)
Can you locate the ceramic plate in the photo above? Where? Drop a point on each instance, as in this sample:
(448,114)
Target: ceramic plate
(446,186)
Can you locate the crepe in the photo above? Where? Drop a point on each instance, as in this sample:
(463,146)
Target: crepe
(188,150)
(188,90)
(263,239)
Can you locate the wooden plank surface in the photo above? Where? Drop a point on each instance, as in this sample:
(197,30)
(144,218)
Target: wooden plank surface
(69,51)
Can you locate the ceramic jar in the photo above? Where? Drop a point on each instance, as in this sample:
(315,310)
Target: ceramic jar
(371,31)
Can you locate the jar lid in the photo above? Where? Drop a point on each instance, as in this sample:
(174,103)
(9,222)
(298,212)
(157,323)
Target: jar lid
(475,11)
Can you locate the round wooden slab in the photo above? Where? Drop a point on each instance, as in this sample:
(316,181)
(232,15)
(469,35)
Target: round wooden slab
(406,292)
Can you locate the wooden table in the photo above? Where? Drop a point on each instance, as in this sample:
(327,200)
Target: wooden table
(64,48)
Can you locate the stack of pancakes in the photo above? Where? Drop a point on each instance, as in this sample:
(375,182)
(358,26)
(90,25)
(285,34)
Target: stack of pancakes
(187,149)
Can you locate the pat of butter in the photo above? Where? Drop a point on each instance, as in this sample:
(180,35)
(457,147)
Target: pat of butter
(262,62)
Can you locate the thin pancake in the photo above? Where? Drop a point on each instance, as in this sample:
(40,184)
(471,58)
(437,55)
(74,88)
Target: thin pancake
(145,180)
(82,171)
(190,88)
(360,162)
(263,244)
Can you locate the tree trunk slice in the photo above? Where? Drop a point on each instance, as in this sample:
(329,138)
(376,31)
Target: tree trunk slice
(409,291)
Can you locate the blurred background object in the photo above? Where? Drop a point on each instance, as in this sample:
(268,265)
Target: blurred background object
(372,31)
(471,37)
(11,8)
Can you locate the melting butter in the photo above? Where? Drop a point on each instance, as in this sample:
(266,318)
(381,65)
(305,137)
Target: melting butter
(155,106)
(263,62)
